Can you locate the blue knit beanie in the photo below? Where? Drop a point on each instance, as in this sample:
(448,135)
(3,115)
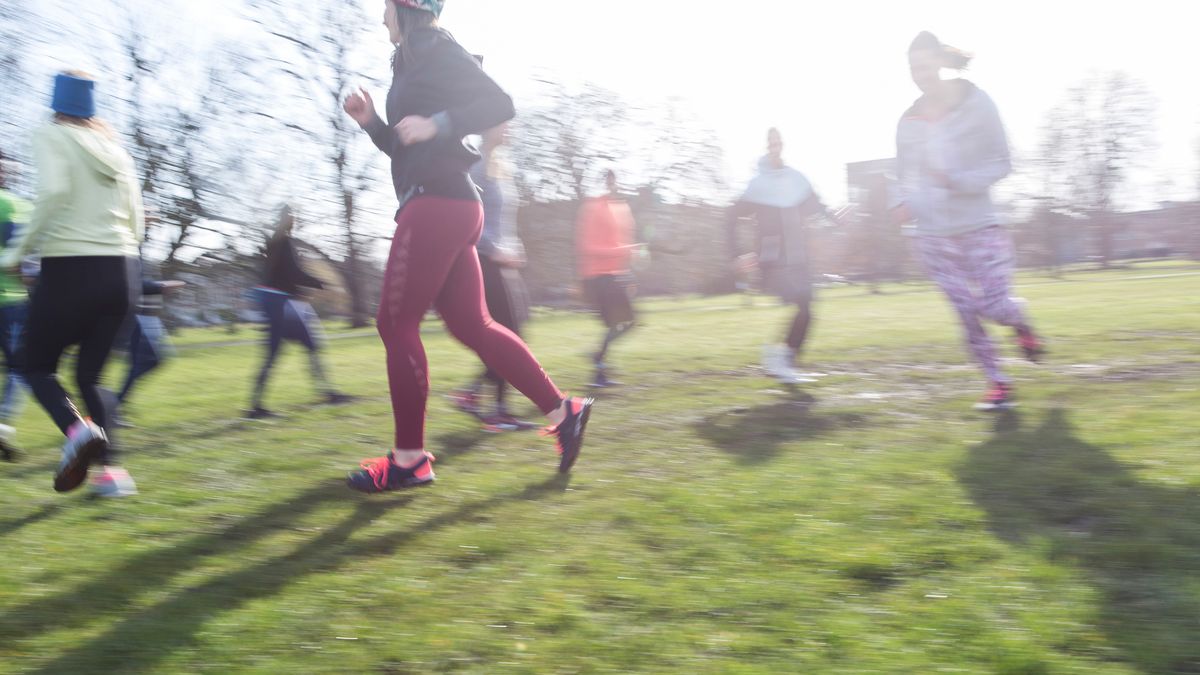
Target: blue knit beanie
(73,96)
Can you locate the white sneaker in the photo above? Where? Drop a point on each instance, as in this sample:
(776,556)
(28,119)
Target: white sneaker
(113,481)
(7,435)
(777,361)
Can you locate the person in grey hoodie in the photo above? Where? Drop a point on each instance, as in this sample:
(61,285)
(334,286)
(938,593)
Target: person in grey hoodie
(950,150)
(87,222)
(781,200)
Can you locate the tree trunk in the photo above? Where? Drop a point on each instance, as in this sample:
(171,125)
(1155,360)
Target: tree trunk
(352,270)
(1104,236)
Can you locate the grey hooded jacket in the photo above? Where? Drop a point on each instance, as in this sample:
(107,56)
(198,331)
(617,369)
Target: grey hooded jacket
(969,148)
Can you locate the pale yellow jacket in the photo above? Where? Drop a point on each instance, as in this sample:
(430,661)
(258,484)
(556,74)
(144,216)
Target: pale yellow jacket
(88,202)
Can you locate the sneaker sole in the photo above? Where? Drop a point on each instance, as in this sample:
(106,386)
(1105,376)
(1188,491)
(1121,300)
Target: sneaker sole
(73,475)
(407,486)
(506,428)
(114,494)
(568,459)
(995,407)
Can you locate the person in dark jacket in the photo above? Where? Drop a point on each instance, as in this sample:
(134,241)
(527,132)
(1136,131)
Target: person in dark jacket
(288,317)
(148,346)
(781,200)
(439,96)
(501,255)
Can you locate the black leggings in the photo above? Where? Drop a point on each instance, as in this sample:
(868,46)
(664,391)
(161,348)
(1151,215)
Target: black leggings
(798,329)
(289,319)
(504,309)
(77,301)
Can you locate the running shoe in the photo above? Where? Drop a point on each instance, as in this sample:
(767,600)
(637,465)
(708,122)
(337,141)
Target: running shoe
(601,380)
(777,361)
(1030,345)
(338,398)
(259,413)
(381,474)
(569,433)
(466,401)
(7,435)
(85,442)
(502,421)
(998,397)
(113,481)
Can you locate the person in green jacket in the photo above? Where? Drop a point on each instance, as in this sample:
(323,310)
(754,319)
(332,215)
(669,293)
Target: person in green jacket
(87,222)
(14,305)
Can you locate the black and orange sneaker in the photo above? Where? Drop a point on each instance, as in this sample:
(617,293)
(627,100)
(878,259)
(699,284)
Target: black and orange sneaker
(998,397)
(569,433)
(381,474)
(1030,345)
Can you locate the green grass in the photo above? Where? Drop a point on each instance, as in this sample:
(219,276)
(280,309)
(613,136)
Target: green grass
(715,523)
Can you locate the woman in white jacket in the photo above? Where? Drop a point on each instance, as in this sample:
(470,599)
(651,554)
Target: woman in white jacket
(950,150)
(86,224)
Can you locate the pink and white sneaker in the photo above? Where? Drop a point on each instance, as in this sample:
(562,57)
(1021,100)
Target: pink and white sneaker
(113,481)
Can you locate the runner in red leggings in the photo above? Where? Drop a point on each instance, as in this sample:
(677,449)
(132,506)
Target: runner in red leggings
(440,95)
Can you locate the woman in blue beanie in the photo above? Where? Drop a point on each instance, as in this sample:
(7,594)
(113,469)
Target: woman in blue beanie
(87,222)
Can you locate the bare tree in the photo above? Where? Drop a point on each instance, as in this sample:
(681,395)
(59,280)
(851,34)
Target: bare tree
(679,157)
(317,49)
(561,144)
(1091,143)
(21,31)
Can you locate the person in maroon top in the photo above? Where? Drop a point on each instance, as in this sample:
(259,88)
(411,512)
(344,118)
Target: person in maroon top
(439,96)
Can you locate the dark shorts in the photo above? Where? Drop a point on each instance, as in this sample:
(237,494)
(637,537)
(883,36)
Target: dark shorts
(504,290)
(792,283)
(612,296)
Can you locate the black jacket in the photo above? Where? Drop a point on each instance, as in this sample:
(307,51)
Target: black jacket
(283,271)
(441,81)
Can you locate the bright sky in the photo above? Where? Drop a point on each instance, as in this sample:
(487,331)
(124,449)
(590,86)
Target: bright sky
(833,74)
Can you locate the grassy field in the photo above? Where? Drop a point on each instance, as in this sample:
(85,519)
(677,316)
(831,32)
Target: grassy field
(716,522)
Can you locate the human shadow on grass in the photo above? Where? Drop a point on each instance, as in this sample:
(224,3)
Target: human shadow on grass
(142,638)
(1137,542)
(34,465)
(112,590)
(42,513)
(756,433)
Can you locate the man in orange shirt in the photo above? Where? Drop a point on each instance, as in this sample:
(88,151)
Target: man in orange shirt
(605,246)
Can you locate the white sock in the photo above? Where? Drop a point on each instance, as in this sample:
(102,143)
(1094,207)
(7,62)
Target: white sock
(407,458)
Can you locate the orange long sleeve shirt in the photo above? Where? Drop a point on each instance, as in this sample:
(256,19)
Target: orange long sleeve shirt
(604,237)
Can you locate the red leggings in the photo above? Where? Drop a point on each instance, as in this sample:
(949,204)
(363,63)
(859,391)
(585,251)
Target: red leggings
(433,263)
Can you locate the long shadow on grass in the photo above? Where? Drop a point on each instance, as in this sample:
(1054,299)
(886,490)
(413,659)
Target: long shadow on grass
(756,433)
(143,638)
(113,590)
(1138,542)
(42,513)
